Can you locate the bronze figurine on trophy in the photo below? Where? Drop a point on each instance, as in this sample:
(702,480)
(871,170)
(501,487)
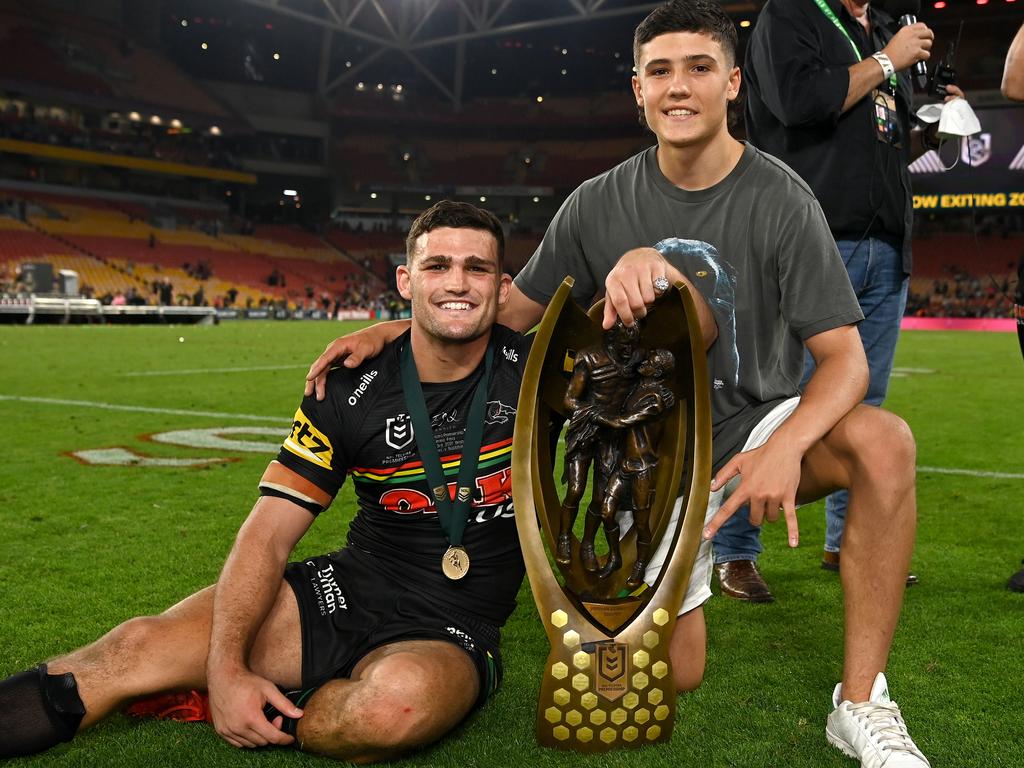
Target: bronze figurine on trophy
(635,403)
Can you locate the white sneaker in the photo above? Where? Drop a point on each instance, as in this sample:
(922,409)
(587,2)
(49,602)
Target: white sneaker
(873,731)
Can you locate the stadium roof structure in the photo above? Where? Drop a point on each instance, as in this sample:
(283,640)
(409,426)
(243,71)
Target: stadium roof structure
(415,28)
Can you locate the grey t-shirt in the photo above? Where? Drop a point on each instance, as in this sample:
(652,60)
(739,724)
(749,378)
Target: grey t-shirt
(757,247)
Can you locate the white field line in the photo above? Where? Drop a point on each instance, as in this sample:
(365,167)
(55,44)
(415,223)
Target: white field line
(143,409)
(973,473)
(198,371)
(278,420)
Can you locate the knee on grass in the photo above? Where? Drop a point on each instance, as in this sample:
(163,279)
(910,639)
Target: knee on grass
(404,705)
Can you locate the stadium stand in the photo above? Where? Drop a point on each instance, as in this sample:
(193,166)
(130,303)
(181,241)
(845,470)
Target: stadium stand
(116,252)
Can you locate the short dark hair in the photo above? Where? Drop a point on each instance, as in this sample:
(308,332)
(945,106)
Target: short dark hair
(449,213)
(704,16)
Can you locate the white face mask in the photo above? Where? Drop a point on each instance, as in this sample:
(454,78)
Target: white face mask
(955,118)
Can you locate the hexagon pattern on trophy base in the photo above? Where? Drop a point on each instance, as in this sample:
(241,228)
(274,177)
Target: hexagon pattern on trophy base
(579,715)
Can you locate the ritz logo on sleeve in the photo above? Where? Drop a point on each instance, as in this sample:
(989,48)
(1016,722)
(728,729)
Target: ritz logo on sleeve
(308,442)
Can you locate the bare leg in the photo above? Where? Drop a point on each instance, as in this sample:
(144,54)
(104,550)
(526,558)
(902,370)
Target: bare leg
(400,697)
(871,452)
(688,650)
(149,654)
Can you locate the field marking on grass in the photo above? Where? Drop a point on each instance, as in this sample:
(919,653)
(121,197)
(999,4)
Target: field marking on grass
(973,473)
(143,408)
(279,420)
(899,372)
(197,371)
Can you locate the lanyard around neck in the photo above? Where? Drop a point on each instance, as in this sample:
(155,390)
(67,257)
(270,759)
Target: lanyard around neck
(452,517)
(839,25)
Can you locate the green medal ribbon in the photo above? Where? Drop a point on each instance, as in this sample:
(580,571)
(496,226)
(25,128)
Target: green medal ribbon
(839,25)
(453,517)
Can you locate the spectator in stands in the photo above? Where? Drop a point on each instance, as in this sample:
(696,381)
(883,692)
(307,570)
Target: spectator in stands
(817,74)
(119,299)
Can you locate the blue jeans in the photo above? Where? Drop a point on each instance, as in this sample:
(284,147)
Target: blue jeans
(876,272)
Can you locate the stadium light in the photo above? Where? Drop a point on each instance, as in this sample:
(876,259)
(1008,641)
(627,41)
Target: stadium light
(134,117)
(155,120)
(184,22)
(214,130)
(427,198)
(277,56)
(290,193)
(204,46)
(373,195)
(536,199)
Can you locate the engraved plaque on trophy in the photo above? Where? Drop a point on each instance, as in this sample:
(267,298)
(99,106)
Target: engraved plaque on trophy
(637,434)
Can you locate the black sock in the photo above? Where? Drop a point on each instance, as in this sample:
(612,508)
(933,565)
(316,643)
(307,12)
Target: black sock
(298,698)
(37,711)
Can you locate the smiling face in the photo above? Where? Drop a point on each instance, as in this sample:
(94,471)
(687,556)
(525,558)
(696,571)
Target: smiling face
(684,83)
(455,283)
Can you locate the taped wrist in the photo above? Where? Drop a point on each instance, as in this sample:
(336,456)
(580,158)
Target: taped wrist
(39,711)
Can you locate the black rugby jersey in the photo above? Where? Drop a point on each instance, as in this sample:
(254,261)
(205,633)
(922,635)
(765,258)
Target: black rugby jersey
(363,429)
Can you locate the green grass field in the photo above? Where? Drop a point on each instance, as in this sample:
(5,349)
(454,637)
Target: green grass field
(84,547)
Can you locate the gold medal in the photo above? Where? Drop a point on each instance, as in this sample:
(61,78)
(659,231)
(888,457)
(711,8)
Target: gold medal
(455,563)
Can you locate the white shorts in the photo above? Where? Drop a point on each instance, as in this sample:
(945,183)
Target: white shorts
(699,589)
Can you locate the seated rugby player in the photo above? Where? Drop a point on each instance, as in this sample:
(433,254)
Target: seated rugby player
(386,644)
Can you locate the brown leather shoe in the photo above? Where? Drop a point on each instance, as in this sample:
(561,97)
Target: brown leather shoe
(830,562)
(741,580)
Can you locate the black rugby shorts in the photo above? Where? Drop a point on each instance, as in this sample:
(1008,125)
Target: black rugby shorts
(348,607)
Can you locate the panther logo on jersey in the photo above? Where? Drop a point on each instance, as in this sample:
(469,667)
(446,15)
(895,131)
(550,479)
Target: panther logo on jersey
(399,432)
(498,412)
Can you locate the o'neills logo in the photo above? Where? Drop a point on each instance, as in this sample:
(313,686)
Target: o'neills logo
(364,384)
(611,668)
(329,594)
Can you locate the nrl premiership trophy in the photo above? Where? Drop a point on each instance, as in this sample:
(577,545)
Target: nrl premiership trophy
(638,427)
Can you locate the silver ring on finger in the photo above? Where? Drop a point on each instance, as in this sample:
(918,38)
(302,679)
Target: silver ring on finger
(661,284)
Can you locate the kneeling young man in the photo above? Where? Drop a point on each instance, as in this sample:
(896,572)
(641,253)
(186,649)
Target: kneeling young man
(391,641)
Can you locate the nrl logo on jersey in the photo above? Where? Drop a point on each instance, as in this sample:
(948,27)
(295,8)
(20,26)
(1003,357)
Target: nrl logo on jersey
(398,433)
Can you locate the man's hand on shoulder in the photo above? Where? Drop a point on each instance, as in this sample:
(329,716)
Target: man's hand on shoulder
(351,350)
(237,698)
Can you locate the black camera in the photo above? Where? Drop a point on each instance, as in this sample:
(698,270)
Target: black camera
(944,73)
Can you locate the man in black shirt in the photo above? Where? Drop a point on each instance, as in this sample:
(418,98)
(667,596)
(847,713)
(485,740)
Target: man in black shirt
(391,641)
(829,93)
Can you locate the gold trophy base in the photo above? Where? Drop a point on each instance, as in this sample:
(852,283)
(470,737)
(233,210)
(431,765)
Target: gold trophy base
(600,693)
